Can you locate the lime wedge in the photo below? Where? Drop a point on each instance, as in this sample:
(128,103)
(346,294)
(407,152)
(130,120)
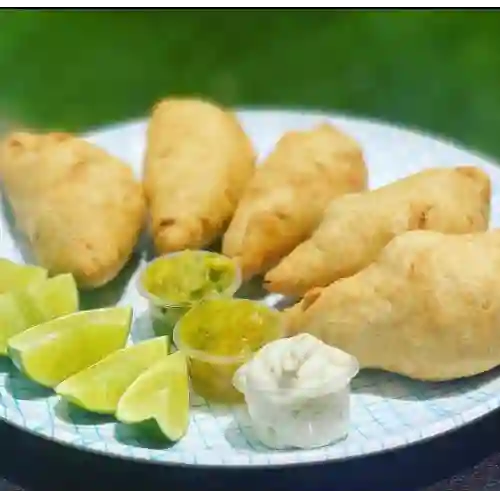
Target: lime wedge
(17,276)
(99,387)
(35,304)
(51,352)
(162,394)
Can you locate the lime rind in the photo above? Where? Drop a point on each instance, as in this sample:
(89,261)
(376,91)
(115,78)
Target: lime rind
(53,351)
(58,296)
(35,304)
(99,387)
(39,333)
(160,393)
(14,276)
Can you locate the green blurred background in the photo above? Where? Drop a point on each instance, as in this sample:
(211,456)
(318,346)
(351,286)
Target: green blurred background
(436,70)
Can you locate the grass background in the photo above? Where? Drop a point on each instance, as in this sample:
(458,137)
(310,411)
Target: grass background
(437,70)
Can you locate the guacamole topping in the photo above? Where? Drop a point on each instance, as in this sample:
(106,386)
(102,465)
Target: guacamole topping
(229,327)
(189,276)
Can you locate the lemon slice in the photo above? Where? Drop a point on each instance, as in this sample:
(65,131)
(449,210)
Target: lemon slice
(51,352)
(162,394)
(99,387)
(17,276)
(35,304)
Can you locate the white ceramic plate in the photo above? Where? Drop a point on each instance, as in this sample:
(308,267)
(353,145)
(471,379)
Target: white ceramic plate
(387,411)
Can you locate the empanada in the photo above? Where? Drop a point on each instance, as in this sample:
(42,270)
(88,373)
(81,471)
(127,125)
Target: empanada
(428,307)
(286,198)
(198,162)
(357,226)
(80,208)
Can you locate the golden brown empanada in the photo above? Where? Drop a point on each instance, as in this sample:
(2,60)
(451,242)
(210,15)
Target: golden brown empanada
(356,227)
(198,162)
(286,198)
(428,307)
(79,207)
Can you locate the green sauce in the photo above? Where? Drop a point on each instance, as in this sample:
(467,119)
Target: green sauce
(189,276)
(229,331)
(230,327)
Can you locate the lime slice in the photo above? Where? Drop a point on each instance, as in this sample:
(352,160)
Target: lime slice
(17,276)
(51,352)
(162,394)
(37,303)
(99,387)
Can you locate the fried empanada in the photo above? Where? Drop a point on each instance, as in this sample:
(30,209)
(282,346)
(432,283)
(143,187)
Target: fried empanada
(80,209)
(356,227)
(198,161)
(287,196)
(428,307)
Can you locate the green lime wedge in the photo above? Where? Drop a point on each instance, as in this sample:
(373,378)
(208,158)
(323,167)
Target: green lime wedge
(17,276)
(162,394)
(35,304)
(99,387)
(51,352)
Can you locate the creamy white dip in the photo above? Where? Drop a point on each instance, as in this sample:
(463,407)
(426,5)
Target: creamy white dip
(297,392)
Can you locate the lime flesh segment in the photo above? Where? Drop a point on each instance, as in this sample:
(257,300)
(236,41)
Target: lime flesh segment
(51,352)
(37,303)
(160,393)
(99,387)
(17,276)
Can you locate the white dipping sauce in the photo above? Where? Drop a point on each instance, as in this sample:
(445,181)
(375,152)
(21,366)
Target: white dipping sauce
(297,391)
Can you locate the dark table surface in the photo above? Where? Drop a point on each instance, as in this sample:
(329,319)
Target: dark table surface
(464,459)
